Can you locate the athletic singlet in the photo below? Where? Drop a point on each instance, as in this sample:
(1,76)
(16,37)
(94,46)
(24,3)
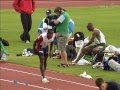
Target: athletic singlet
(46,41)
(101,39)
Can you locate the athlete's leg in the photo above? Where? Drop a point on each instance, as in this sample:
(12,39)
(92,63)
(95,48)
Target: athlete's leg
(45,58)
(41,59)
(43,55)
(42,69)
(83,52)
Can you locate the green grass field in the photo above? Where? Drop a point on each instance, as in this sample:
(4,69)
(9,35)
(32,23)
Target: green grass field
(105,18)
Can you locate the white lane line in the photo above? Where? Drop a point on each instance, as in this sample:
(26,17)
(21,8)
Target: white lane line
(18,65)
(49,77)
(22,83)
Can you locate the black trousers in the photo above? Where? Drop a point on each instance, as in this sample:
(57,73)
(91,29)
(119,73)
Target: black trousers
(26,23)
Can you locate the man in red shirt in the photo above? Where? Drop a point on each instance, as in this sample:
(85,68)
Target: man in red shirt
(25,8)
(40,47)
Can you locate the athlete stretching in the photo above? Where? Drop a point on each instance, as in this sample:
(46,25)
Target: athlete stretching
(97,37)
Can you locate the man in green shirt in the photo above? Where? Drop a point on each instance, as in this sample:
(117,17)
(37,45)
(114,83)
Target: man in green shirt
(62,30)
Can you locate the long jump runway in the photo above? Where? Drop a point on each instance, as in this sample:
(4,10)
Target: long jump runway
(17,77)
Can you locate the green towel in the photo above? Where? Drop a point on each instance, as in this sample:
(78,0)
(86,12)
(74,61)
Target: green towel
(3,49)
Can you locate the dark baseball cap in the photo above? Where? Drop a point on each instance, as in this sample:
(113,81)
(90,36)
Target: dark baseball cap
(48,11)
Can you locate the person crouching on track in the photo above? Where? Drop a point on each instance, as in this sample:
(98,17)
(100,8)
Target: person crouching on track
(40,47)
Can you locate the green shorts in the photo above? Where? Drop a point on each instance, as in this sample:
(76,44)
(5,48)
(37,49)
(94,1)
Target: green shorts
(62,40)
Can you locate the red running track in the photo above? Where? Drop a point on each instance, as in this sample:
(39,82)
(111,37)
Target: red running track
(52,4)
(17,77)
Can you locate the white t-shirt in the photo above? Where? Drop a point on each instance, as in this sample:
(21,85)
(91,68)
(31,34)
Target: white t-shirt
(46,41)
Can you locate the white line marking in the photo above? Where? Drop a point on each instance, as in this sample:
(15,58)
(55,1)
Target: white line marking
(20,65)
(49,77)
(28,67)
(22,83)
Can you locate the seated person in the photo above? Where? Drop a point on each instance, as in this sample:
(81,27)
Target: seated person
(103,85)
(113,62)
(78,37)
(78,42)
(97,37)
(71,52)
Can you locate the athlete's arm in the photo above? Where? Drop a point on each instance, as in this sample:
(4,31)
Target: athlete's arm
(37,42)
(92,39)
(51,46)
